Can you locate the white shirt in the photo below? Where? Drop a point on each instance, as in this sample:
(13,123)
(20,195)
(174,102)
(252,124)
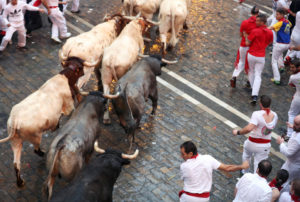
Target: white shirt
(52,2)
(197,173)
(296,29)
(253,188)
(285,197)
(262,130)
(15,14)
(292,149)
(295,80)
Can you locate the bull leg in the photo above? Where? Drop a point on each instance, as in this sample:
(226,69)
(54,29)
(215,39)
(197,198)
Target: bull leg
(98,75)
(106,118)
(36,143)
(185,27)
(154,98)
(17,145)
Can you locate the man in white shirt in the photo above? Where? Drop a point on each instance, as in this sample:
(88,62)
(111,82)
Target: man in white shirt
(260,128)
(14,11)
(295,40)
(293,195)
(196,173)
(254,187)
(292,151)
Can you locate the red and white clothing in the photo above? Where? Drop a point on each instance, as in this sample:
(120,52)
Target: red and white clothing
(287,197)
(295,105)
(253,188)
(246,26)
(16,21)
(258,144)
(59,25)
(197,176)
(260,38)
(292,152)
(295,37)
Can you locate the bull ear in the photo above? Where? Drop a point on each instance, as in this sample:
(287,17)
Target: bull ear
(125,162)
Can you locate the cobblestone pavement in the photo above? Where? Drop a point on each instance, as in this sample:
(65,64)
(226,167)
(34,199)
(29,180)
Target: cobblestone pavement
(206,53)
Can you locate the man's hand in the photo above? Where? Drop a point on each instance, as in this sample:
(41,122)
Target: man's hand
(289,125)
(41,10)
(280,140)
(63,2)
(234,132)
(8,25)
(49,11)
(245,165)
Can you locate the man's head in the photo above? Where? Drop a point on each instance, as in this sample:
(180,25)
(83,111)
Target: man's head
(188,149)
(296,126)
(280,12)
(265,101)
(261,19)
(14,2)
(264,168)
(254,11)
(295,188)
(295,66)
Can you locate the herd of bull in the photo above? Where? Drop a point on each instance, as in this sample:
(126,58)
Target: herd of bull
(113,50)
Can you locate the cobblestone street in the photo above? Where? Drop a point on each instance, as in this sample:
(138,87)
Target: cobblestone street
(206,54)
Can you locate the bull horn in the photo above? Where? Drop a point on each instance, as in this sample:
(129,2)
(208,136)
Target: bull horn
(132,156)
(62,56)
(105,17)
(142,55)
(128,17)
(138,15)
(98,149)
(90,64)
(84,93)
(168,61)
(147,39)
(108,96)
(152,22)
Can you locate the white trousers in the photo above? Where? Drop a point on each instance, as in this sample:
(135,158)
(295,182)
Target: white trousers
(10,31)
(242,59)
(256,66)
(295,41)
(59,25)
(277,58)
(75,5)
(187,198)
(257,150)
(293,112)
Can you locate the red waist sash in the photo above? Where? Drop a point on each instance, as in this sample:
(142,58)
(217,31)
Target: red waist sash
(202,195)
(259,140)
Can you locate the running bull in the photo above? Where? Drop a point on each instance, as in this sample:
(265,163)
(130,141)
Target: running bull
(138,85)
(41,111)
(74,144)
(96,181)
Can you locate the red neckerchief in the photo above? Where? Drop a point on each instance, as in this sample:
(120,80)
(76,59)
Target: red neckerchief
(273,184)
(295,198)
(284,20)
(261,176)
(194,157)
(268,110)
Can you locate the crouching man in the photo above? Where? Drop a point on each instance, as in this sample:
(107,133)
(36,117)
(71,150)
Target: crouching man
(196,173)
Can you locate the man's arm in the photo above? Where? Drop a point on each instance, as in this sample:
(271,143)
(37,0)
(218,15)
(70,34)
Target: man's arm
(4,16)
(44,2)
(245,130)
(33,8)
(289,150)
(232,168)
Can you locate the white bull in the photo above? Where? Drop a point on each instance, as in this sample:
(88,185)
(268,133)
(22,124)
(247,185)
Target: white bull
(41,111)
(172,16)
(146,7)
(89,46)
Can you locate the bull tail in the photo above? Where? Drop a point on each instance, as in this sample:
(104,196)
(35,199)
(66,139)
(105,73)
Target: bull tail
(48,185)
(11,130)
(173,39)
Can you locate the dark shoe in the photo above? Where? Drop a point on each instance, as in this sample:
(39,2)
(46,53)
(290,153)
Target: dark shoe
(254,100)
(275,82)
(285,137)
(75,11)
(233,82)
(248,85)
(22,48)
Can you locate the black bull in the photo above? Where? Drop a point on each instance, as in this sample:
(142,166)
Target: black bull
(137,85)
(96,181)
(75,141)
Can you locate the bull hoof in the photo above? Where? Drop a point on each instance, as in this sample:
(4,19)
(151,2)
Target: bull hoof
(169,47)
(20,183)
(39,152)
(185,27)
(106,121)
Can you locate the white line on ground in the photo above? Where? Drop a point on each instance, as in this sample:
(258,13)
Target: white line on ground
(250,6)
(186,96)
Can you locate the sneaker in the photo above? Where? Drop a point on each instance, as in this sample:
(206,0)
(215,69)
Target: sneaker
(281,70)
(275,82)
(254,100)
(248,85)
(287,60)
(68,34)
(233,82)
(75,11)
(56,39)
